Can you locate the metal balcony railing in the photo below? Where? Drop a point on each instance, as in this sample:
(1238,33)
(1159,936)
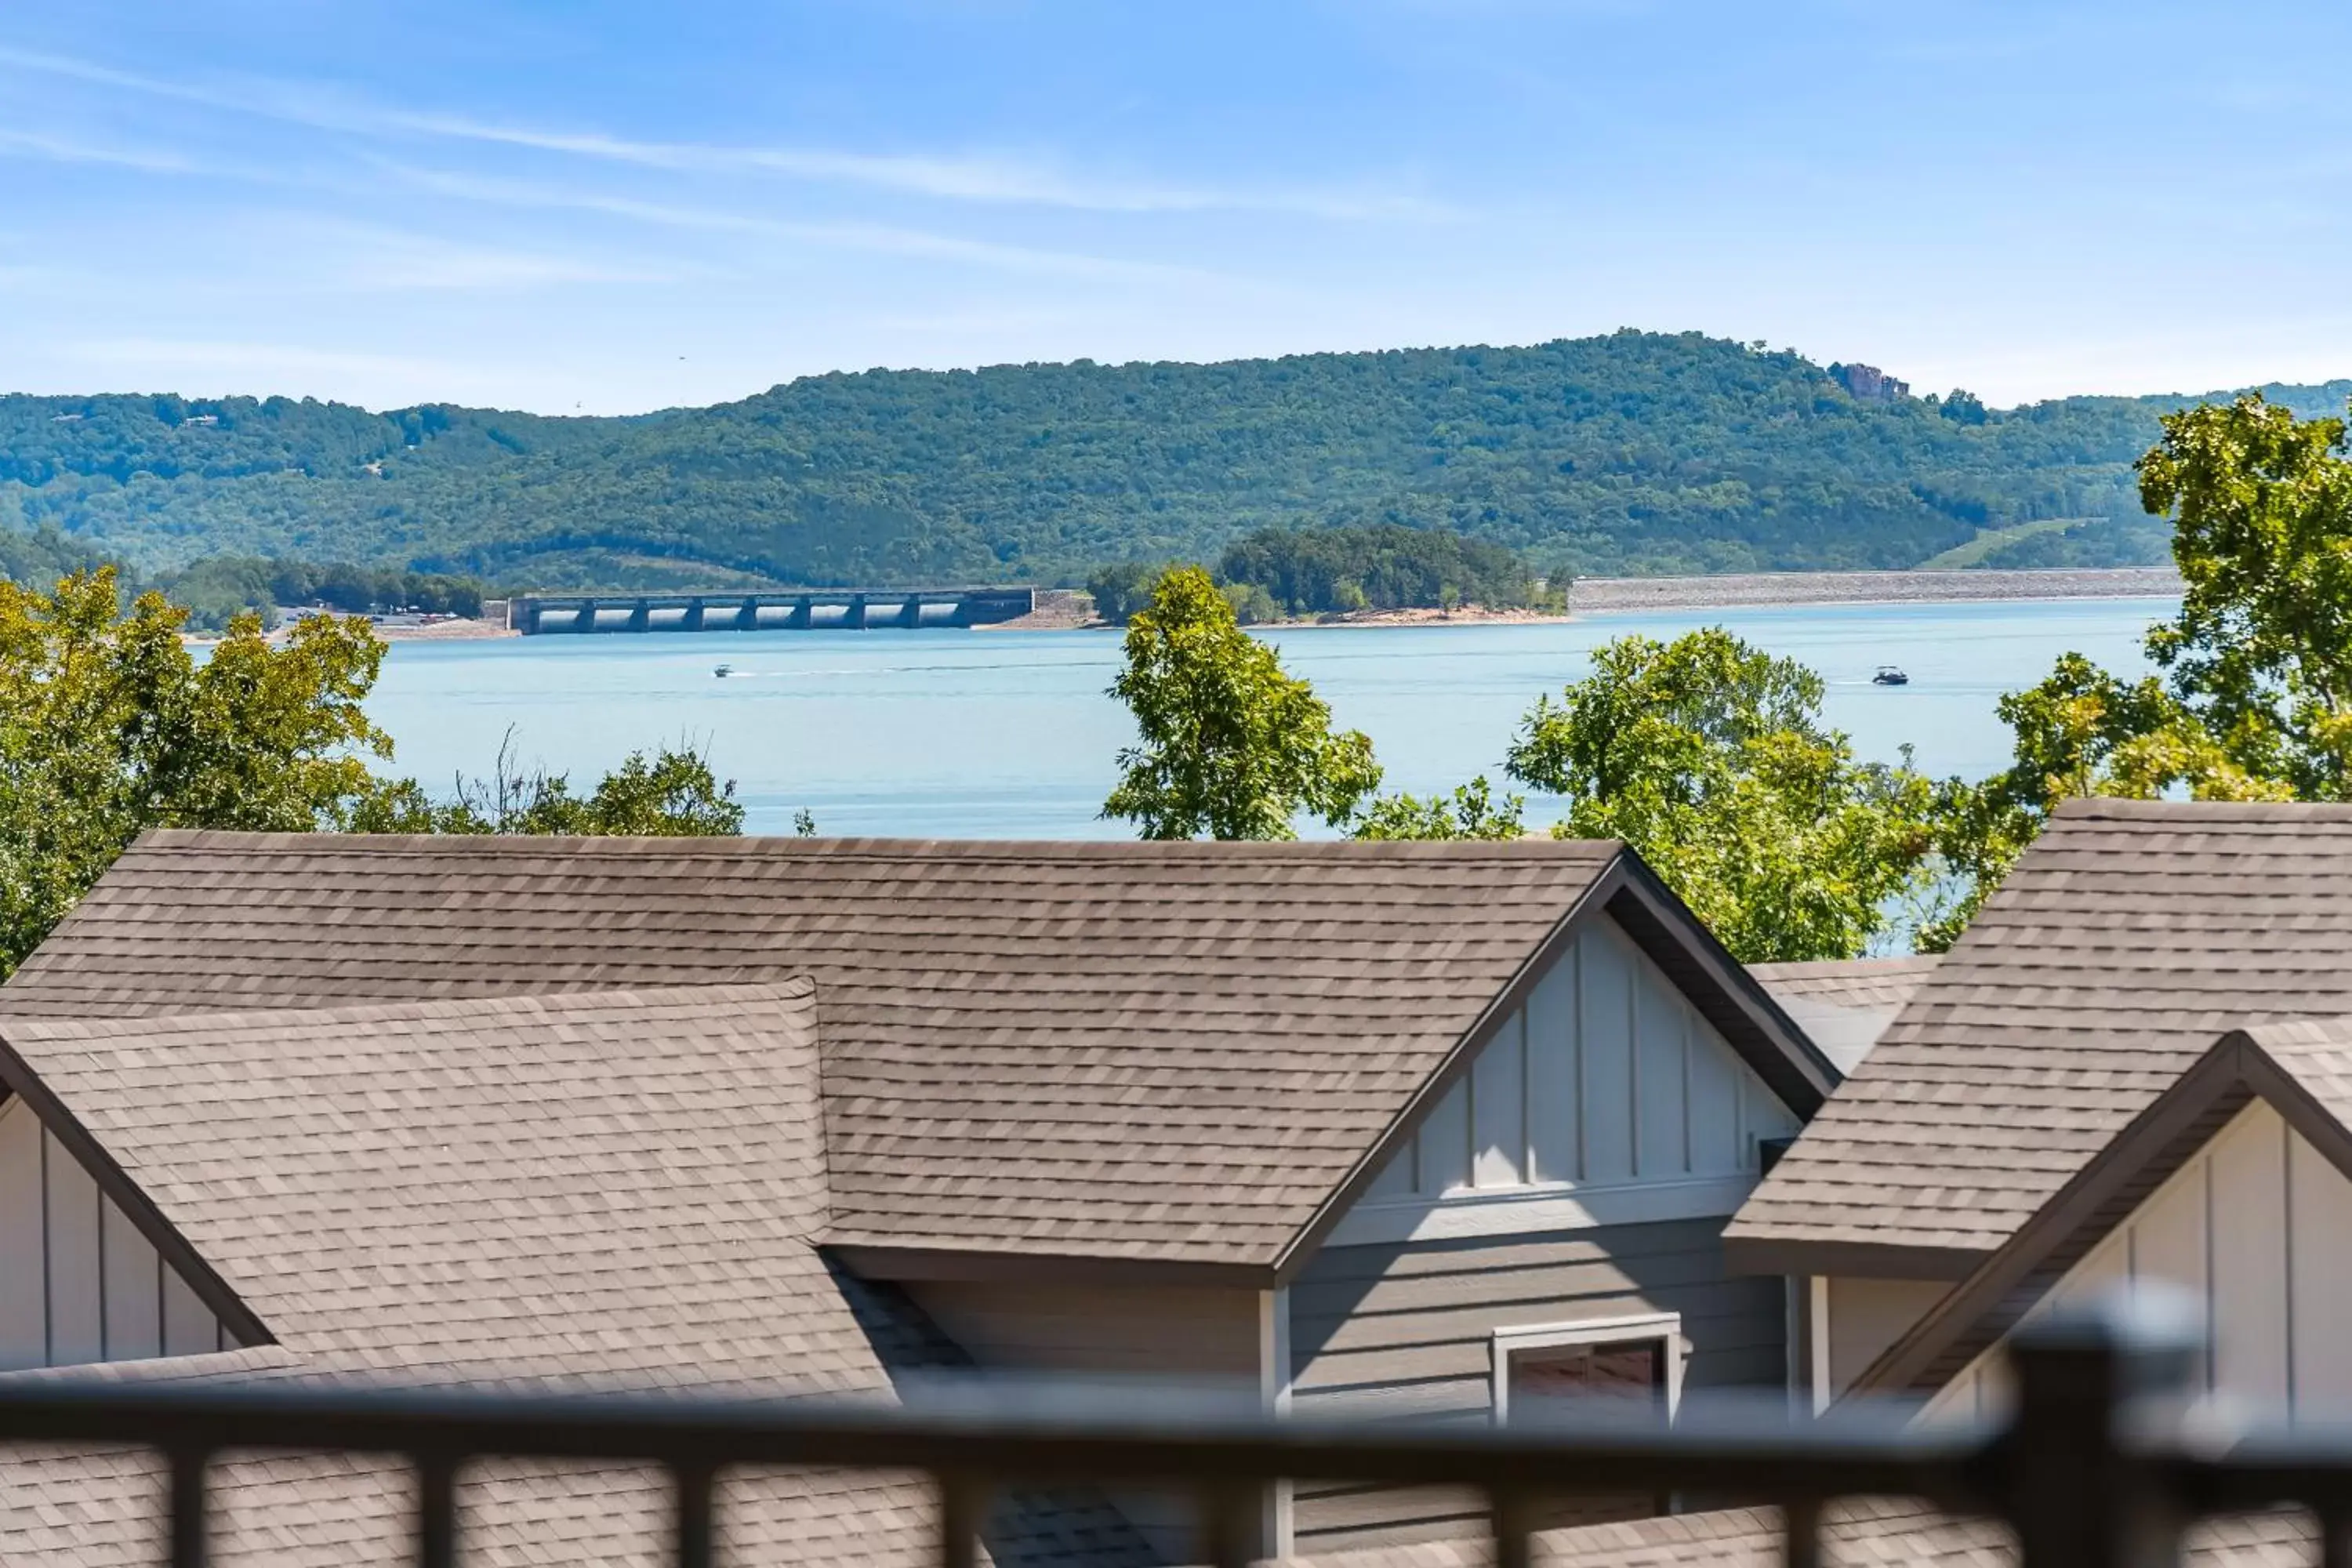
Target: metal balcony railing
(2098,1467)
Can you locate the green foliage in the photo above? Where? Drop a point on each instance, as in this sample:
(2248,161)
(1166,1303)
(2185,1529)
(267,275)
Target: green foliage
(41,557)
(1119,591)
(1964,408)
(2257,699)
(108,726)
(1232,746)
(669,794)
(1251,605)
(2261,650)
(1328,571)
(2096,541)
(1470,812)
(220,587)
(1708,756)
(1634,452)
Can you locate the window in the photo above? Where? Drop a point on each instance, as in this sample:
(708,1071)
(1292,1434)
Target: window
(1633,1363)
(1631,1366)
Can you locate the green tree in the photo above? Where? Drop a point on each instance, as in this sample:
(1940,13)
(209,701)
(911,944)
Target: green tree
(108,726)
(2256,702)
(2261,652)
(667,794)
(1709,757)
(1120,590)
(1232,746)
(1470,812)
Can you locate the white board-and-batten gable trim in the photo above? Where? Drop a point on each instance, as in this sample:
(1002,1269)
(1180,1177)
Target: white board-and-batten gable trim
(1604,1098)
(2256,1224)
(79,1281)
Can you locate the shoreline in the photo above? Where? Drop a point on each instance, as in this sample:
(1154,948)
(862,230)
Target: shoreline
(392,632)
(1593,598)
(1773,590)
(1588,598)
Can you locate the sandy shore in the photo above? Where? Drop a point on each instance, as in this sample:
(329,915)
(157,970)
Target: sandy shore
(1595,595)
(1746,589)
(441,631)
(392,631)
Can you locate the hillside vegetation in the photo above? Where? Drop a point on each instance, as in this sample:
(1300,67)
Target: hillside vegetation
(1630,453)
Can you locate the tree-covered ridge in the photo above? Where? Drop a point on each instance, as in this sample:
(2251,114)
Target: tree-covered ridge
(1634,452)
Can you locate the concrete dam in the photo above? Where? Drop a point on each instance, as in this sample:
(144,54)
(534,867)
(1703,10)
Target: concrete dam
(796,610)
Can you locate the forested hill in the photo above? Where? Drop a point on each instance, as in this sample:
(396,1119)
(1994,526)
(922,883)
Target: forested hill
(1630,453)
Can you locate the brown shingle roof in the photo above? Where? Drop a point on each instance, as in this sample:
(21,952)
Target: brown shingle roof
(606,1187)
(1849,982)
(1845,1004)
(2130,935)
(1172,1051)
(1863,1532)
(2304,1070)
(612,1185)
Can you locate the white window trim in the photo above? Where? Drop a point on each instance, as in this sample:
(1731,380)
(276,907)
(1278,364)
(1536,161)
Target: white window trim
(1663,1326)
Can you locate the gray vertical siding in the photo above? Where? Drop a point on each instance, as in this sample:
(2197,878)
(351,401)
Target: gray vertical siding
(79,1283)
(1405,1331)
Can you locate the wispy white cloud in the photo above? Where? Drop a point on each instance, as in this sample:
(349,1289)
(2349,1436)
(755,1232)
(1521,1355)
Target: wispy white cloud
(880,239)
(52,148)
(980,177)
(974,177)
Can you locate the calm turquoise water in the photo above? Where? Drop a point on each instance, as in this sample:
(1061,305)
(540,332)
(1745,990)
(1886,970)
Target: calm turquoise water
(1008,735)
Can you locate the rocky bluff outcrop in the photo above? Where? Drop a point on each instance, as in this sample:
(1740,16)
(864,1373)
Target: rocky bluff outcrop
(1868,384)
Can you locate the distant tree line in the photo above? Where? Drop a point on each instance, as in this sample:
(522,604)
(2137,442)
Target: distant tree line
(1335,570)
(214,590)
(1277,572)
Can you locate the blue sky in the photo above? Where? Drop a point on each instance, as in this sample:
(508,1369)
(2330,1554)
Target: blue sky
(618,207)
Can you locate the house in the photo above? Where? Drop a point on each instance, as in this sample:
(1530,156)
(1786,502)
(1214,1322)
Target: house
(1381,1129)
(2130,938)
(2135,1066)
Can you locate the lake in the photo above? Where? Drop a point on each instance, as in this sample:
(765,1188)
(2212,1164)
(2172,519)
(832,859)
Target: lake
(1009,735)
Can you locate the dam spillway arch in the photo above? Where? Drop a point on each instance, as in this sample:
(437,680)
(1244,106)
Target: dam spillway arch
(811,609)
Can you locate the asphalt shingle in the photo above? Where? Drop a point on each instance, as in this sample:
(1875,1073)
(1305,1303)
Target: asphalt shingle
(606,1188)
(1163,1050)
(2130,935)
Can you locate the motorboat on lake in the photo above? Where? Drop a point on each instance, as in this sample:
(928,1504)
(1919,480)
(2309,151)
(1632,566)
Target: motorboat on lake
(1889,676)
(722,672)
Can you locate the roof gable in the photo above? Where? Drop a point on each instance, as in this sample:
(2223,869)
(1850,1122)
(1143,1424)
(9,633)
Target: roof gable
(613,1185)
(2302,1070)
(2128,936)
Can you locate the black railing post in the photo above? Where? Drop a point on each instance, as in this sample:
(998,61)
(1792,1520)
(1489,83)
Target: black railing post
(2074,1488)
(1801,1533)
(1513,1516)
(191,1523)
(964,1513)
(696,1525)
(1229,1524)
(436,1511)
